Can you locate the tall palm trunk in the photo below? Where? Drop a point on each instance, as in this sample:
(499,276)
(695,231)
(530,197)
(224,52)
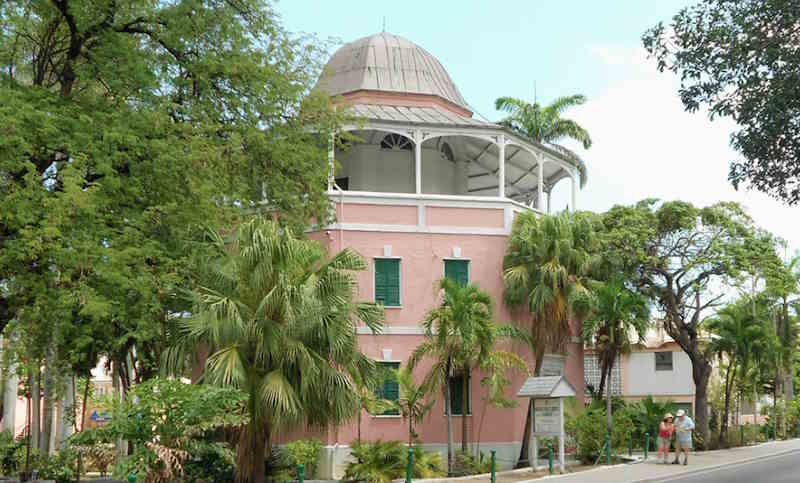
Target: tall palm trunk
(36,413)
(464,406)
(251,452)
(48,401)
(448,408)
(730,376)
(608,397)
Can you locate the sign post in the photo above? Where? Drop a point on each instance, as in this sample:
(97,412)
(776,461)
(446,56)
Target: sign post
(547,412)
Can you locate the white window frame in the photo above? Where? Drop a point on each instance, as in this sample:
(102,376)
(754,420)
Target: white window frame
(400,268)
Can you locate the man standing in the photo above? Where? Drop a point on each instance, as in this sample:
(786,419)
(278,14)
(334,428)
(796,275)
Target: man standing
(683,436)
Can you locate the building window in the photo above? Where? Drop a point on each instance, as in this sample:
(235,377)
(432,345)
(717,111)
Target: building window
(457,270)
(396,141)
(389,390)
(343,183)
(456,384)
(663,361)
(447,152)
(387,281)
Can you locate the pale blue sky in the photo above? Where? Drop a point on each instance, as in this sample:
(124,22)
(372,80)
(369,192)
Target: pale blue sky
(645,145)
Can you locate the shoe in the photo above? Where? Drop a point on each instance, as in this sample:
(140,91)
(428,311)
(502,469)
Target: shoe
(685,462)
(675,462)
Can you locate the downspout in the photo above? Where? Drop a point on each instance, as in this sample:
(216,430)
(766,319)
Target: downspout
(341,215)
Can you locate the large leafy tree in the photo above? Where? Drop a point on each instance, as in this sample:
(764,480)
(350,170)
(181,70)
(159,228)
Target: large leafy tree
(618,314)
(546,275)
(124,126)
(685,259)
(740,59)
(279,320)
(461,336)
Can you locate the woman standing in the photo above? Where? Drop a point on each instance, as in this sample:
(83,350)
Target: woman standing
(665,430)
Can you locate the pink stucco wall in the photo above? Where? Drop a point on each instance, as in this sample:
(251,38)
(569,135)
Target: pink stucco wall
(422,258)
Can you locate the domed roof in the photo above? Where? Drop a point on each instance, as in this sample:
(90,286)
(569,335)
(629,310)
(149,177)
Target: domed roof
(388,63)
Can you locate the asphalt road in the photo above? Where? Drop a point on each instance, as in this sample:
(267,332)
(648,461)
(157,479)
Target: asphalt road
(779,469)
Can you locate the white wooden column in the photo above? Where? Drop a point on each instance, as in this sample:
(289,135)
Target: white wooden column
(573,177)
(561,435)
(540,183)
(549,200)
(331,162)
(418,161)
(501,163)
(533,446)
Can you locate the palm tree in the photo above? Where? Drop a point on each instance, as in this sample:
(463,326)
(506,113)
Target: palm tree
(617,314)
(411,402)
(460,336)
(280,322)
(366,390)
(544,124)
(546,272)
(737,332)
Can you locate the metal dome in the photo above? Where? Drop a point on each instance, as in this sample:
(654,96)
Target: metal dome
(388,63)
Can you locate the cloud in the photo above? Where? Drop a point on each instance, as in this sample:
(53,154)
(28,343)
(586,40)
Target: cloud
(647,145)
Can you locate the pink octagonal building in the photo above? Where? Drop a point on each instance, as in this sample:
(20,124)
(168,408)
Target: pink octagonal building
(430,191)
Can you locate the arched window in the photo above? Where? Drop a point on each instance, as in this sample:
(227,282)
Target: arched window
(447,152)
(396,141)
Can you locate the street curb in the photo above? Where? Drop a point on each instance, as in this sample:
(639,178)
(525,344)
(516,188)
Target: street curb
(656,479)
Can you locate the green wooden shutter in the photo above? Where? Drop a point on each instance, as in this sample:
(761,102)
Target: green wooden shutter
(390,390)
(387,281)
(456,395)
(457,270)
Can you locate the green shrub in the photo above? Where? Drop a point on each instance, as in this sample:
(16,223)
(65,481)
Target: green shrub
(304,452)
(382,462)
(466,464)
(589,431)
(8,451)
(212,463)
(277,469)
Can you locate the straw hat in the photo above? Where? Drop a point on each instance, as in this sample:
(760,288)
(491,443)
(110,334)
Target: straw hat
(668,415)
(680,413)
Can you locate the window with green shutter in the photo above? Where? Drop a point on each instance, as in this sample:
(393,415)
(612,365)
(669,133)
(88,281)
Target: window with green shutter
(457,395)
(389,390)
(387,281)
(457,270)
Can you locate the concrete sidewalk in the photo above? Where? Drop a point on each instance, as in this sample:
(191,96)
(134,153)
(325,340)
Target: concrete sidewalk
(653,471)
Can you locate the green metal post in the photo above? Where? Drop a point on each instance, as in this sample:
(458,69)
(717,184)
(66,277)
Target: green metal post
(494,466)
(410,465)
(550,456)
(608,449)
(630,445)
(741,435)
(131,478)
(646,444)
(301,473)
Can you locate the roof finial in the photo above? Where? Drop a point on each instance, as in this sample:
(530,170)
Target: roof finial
(384,24)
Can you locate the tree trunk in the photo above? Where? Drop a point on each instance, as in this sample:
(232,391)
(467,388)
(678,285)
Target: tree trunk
(9,396)
(701,372)
(730,375)
(464,406)
(251,453)
(48,401)
(358,435)
(410,430)
(65,428)
(84,402)
(36,413)
(608,399)
(448,408)
(526,432)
